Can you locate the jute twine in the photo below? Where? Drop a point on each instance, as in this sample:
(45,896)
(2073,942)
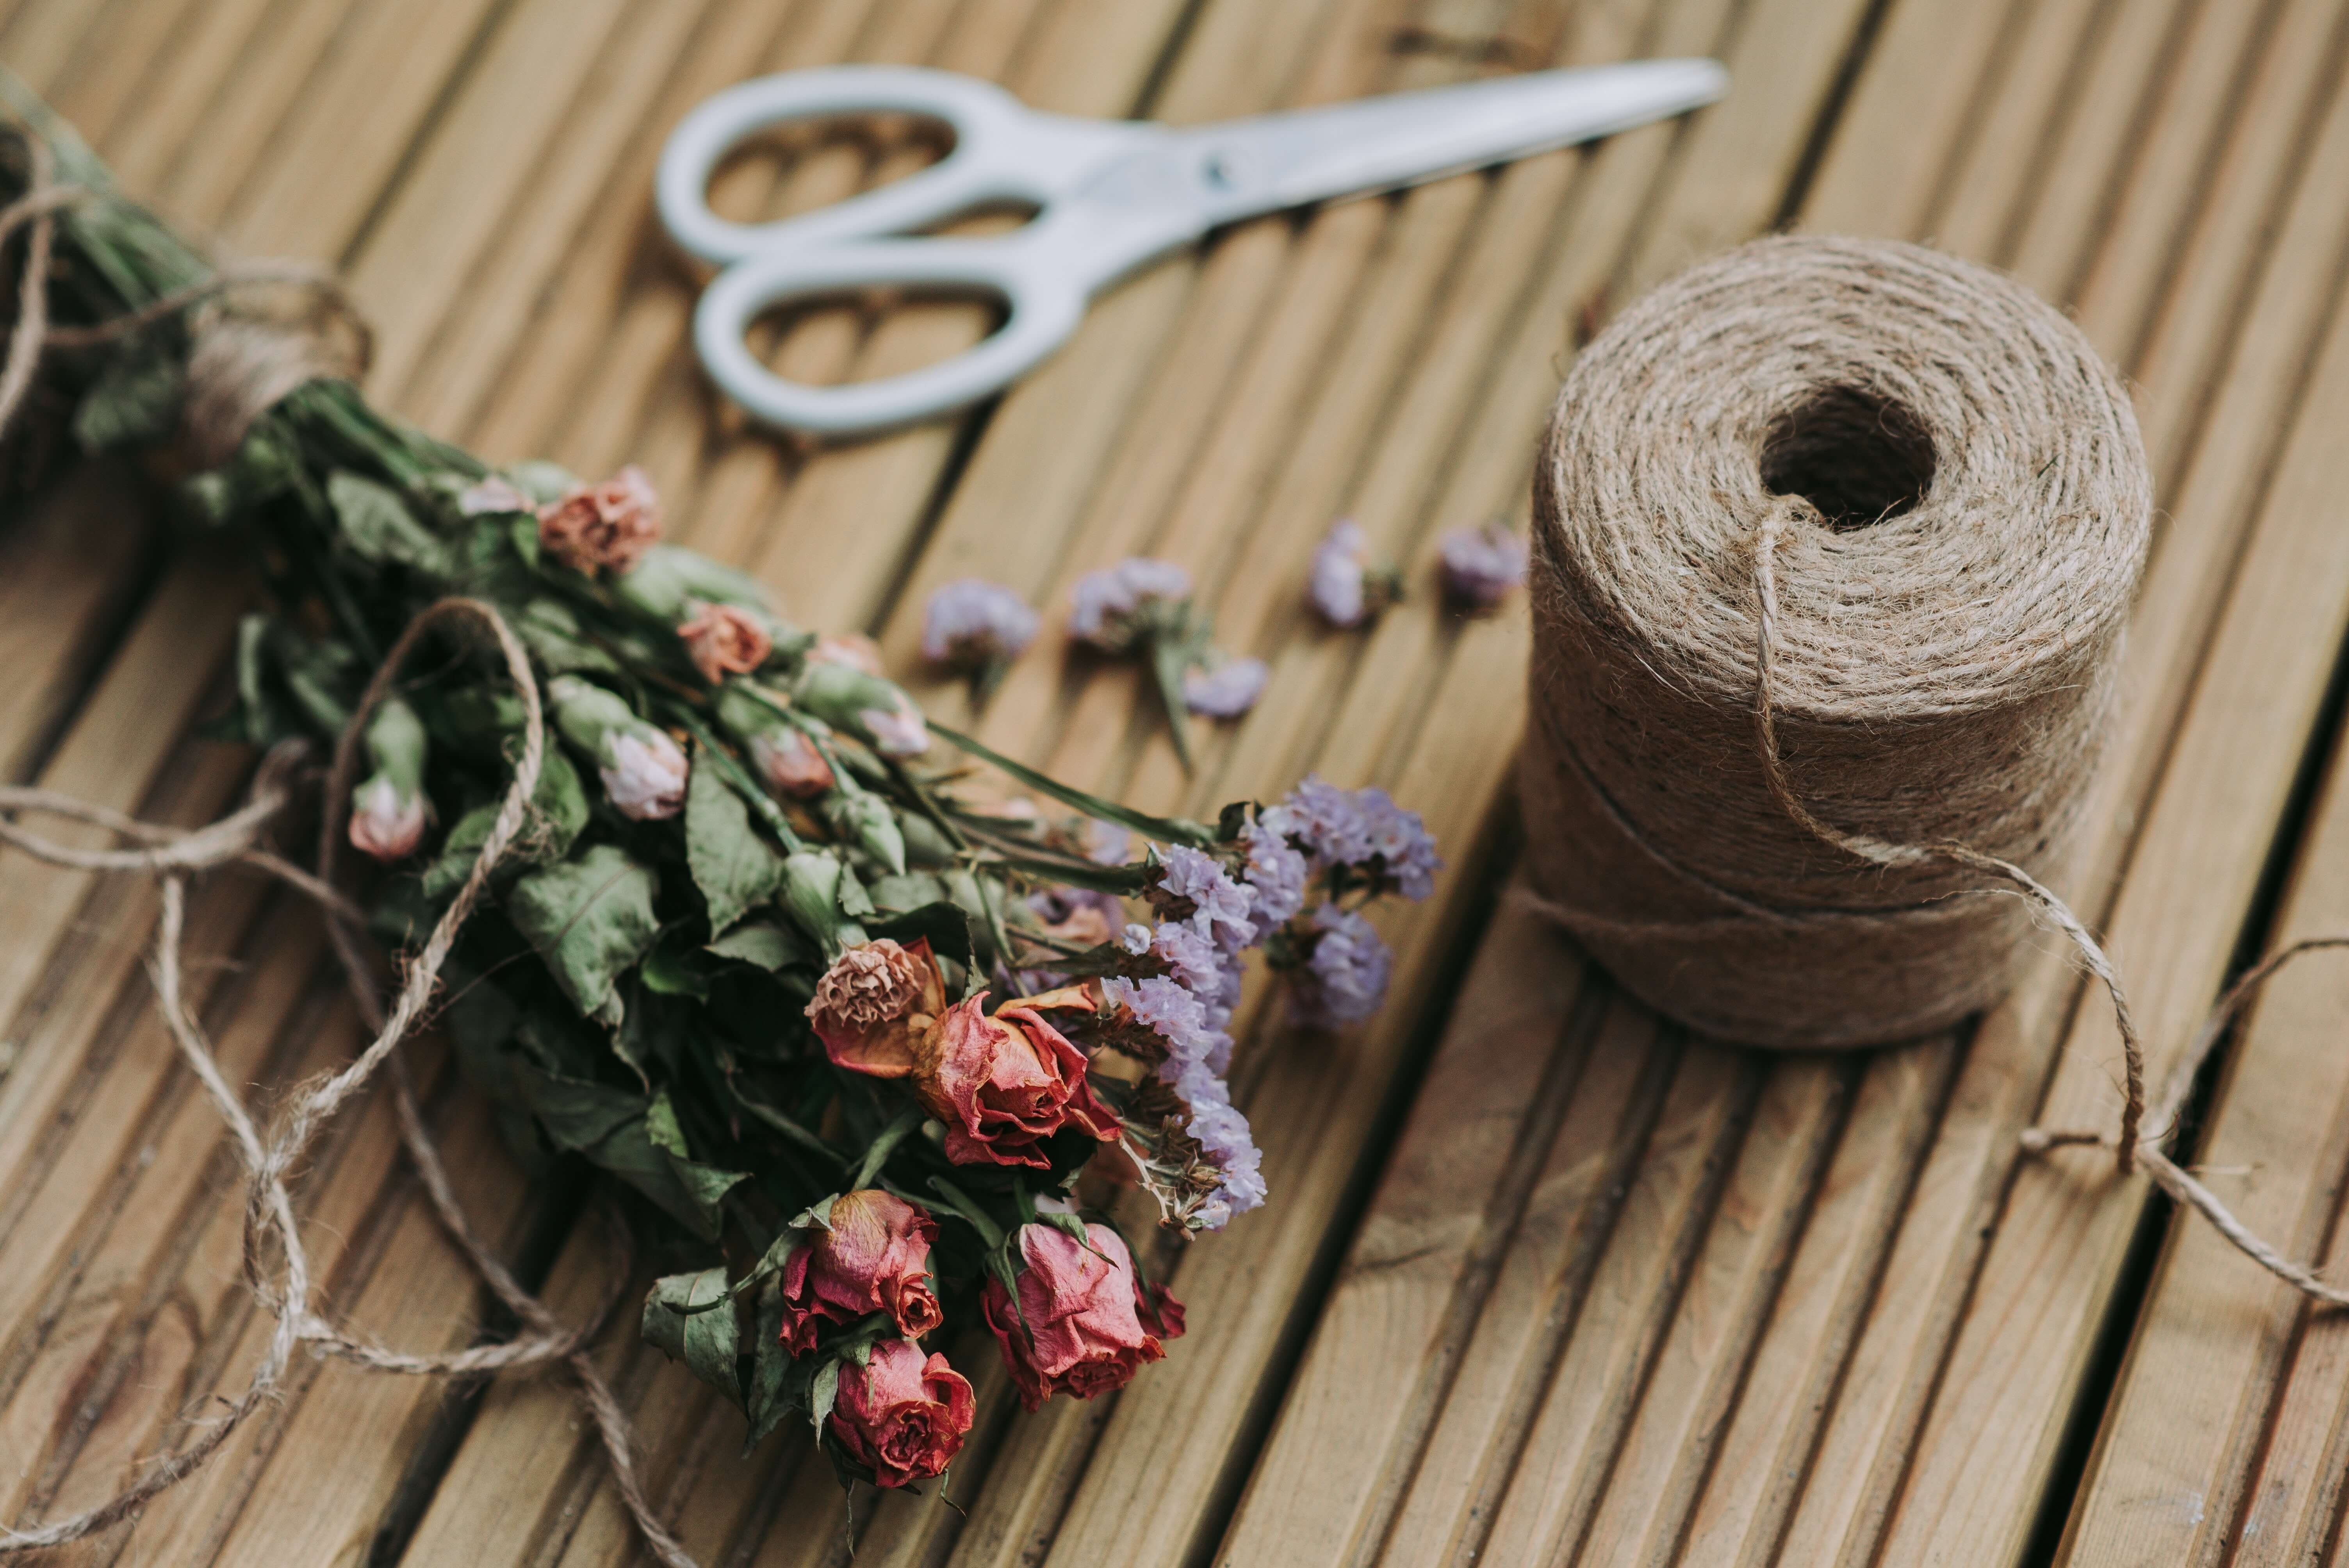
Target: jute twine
(1834,543)
(244,360)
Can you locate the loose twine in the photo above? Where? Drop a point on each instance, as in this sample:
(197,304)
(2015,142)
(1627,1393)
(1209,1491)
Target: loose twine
(1958,484)
(239,364)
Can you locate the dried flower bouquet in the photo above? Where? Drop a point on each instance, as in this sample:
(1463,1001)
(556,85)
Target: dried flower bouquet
(845,1037)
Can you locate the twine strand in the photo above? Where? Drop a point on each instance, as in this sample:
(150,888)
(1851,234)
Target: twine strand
(271,1229)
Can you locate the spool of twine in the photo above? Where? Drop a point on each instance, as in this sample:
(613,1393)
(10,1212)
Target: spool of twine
(1938,490)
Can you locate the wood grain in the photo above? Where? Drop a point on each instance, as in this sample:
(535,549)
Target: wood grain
(1618,1296)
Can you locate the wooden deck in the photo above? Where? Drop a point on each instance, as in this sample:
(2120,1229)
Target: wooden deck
(1543,1281)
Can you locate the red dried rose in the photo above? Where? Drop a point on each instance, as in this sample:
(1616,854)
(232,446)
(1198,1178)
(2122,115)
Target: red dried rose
(902,1414)
(724,640)
(608,526)
(1083,1325)
(1003,1085)
(876,1003)
(875,1258)
(790,764)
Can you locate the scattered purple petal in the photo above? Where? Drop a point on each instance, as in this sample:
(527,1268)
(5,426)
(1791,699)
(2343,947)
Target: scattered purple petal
(1106,843)
(1335,584)
(1227,691)
(1482,566)
(974,623)
(1106,600)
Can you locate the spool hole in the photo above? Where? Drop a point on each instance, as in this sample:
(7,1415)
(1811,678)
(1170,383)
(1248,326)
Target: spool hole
(1855,455)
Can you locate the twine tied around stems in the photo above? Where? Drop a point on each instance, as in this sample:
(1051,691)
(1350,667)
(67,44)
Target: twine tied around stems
(1836,540)
(258,331)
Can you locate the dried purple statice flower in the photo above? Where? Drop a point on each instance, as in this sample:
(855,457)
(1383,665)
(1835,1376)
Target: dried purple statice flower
(1346,978)
(1359,828)
(1276,871)
(1226,691)
(1223,1133)
(1109,602)
(1194,884)
(1106,843)
(1482,566)
(976,624)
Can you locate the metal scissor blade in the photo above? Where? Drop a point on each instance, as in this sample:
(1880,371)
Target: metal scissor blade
(1270,161)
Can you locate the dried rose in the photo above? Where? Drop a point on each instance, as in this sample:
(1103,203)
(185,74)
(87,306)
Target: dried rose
(644,774)
(1083,1325)
(608,526)
(875,1257)
(724,640)
(1004,1084)
(384,823)
(387,808)
(789,763)
(644,771)
(874,1005)
(901,1414)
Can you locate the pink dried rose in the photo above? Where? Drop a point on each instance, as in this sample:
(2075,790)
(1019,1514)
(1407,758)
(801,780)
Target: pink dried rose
(874,1006)
(875,1257)
(644,774)
(724,640)
(1004,1084)
(605,527)
(384,823)
(902,1415)
(1083,1325)
(898,731)
(789,763)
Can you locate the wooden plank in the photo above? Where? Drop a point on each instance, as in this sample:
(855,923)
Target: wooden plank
(1871,1354)
(2211,1449)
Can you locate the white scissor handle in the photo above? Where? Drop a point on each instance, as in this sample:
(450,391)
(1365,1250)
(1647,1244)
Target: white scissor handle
(993,159)
(1046,304)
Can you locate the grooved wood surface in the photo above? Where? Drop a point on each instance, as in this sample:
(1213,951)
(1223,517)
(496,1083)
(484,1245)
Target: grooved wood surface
(1543,1281)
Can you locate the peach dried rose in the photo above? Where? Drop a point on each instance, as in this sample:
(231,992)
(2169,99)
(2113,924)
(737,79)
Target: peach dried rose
(876,1003)
(790,764)
(608,526)
(724,640)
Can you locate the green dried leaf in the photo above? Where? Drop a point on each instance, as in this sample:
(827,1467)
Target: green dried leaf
(899,895)
(551,631)
(589,918)
(823,1394)
(377,524)
(1169,830)
(612,1129)
(705,1186)
(670,971)
(735,868)
(771,947)
(771,1366)
(708,1342)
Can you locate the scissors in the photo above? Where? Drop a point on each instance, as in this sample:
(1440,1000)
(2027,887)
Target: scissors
(1109,195)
